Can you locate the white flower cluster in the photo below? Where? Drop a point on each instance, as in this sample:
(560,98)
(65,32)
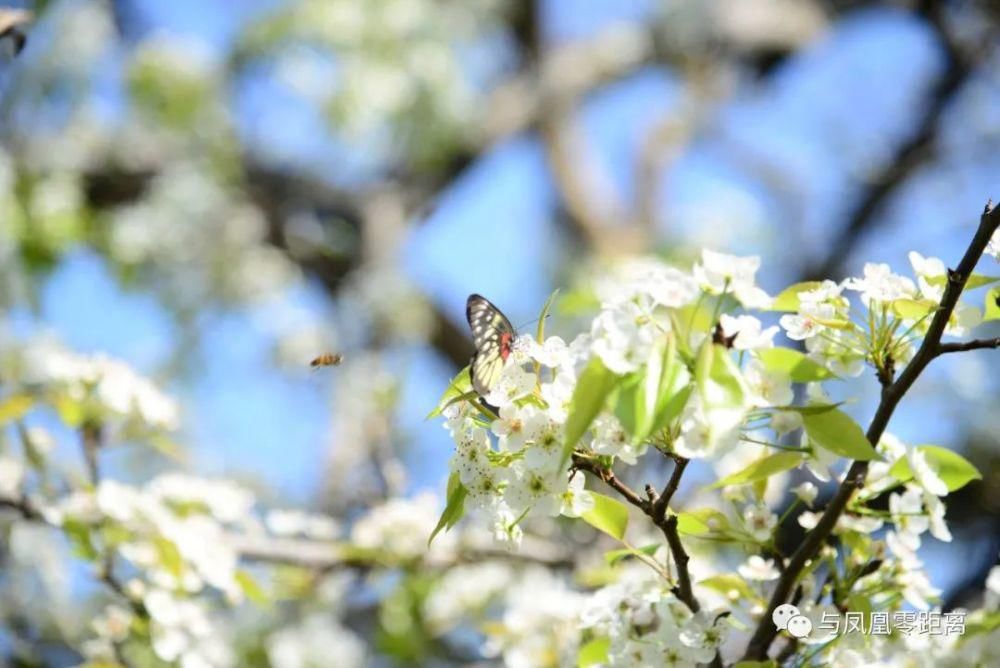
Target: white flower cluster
(397,62)
(511,465)
(117,390)
(648,626)
(895,306)
(464,591)
(539,625)
(399,527)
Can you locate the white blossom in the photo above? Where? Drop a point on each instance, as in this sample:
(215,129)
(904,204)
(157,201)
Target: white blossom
(718,272)
(749,332)
(759,569)
(924,474)
(806,492)
(879,284)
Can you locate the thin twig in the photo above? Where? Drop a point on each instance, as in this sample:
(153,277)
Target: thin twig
(891,396)
(976,344)
(650,506)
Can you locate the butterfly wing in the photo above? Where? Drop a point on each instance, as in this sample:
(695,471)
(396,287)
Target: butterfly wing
(492,335)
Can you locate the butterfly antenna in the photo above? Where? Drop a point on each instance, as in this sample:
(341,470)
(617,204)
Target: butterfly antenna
(531,322)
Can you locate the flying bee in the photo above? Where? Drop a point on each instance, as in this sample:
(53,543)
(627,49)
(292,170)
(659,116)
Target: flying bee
(326,359)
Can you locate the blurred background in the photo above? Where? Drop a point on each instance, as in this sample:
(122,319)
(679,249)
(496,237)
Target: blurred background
(217,192)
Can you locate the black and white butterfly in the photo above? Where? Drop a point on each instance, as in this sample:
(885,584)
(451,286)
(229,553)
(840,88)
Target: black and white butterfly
(493,337)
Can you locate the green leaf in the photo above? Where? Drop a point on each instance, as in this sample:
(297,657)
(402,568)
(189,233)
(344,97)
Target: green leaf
(721,388)
(991,311)
(701,521)
(15,407)
(762,469)
(608,515)
(591,392)
(955,470)
(756,664)
(728,584)
(614,556)
(454,508)
(788,299)
(672,391)
(546,307)
(629,403)
(250,588)
(975,281)
(914,309)
(811,409)
(593,653)
(79,535)
(170,556)
(460,385)
(793,363)
(837,432)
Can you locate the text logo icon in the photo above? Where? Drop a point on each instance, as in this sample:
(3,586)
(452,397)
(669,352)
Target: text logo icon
(787,617)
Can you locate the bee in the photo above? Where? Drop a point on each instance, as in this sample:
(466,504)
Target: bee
(327,359)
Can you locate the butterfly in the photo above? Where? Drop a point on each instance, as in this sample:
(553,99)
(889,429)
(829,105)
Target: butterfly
(493,336)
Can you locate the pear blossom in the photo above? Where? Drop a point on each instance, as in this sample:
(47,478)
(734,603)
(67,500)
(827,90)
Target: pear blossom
(716,271)
(576,500)
(514,383)
(806,492)
(622,336)
(518,425)
(879,284)
(759,521)
(935,516)
(11,475)
(993,247)
(924,474)
(927,270)
(784,422)
(759,569)
(610,438)
(748,330)
(769,388)
(808,322)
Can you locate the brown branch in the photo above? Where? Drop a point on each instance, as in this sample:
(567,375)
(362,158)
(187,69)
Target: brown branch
(891,396)
(663,500)
(975,344)
(655,508)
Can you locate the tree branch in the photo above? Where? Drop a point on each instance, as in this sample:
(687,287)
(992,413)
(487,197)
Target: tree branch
(891,396)
(655,508)
(975,344)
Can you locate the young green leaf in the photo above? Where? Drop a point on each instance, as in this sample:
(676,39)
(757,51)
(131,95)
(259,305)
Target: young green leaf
(762,469)
(731,586)
(955,470)
(460,385)
(546,307)
(15,407)
(788,299)
(795,364)
(701,521)
(991,311)
(975,281)
(608,515)
(614,556)
(454,508)
(914,309)
(837,432)
(593,653)
(251,589)
(591,392)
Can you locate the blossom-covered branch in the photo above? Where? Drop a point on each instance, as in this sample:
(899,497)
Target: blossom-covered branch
(891,396)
